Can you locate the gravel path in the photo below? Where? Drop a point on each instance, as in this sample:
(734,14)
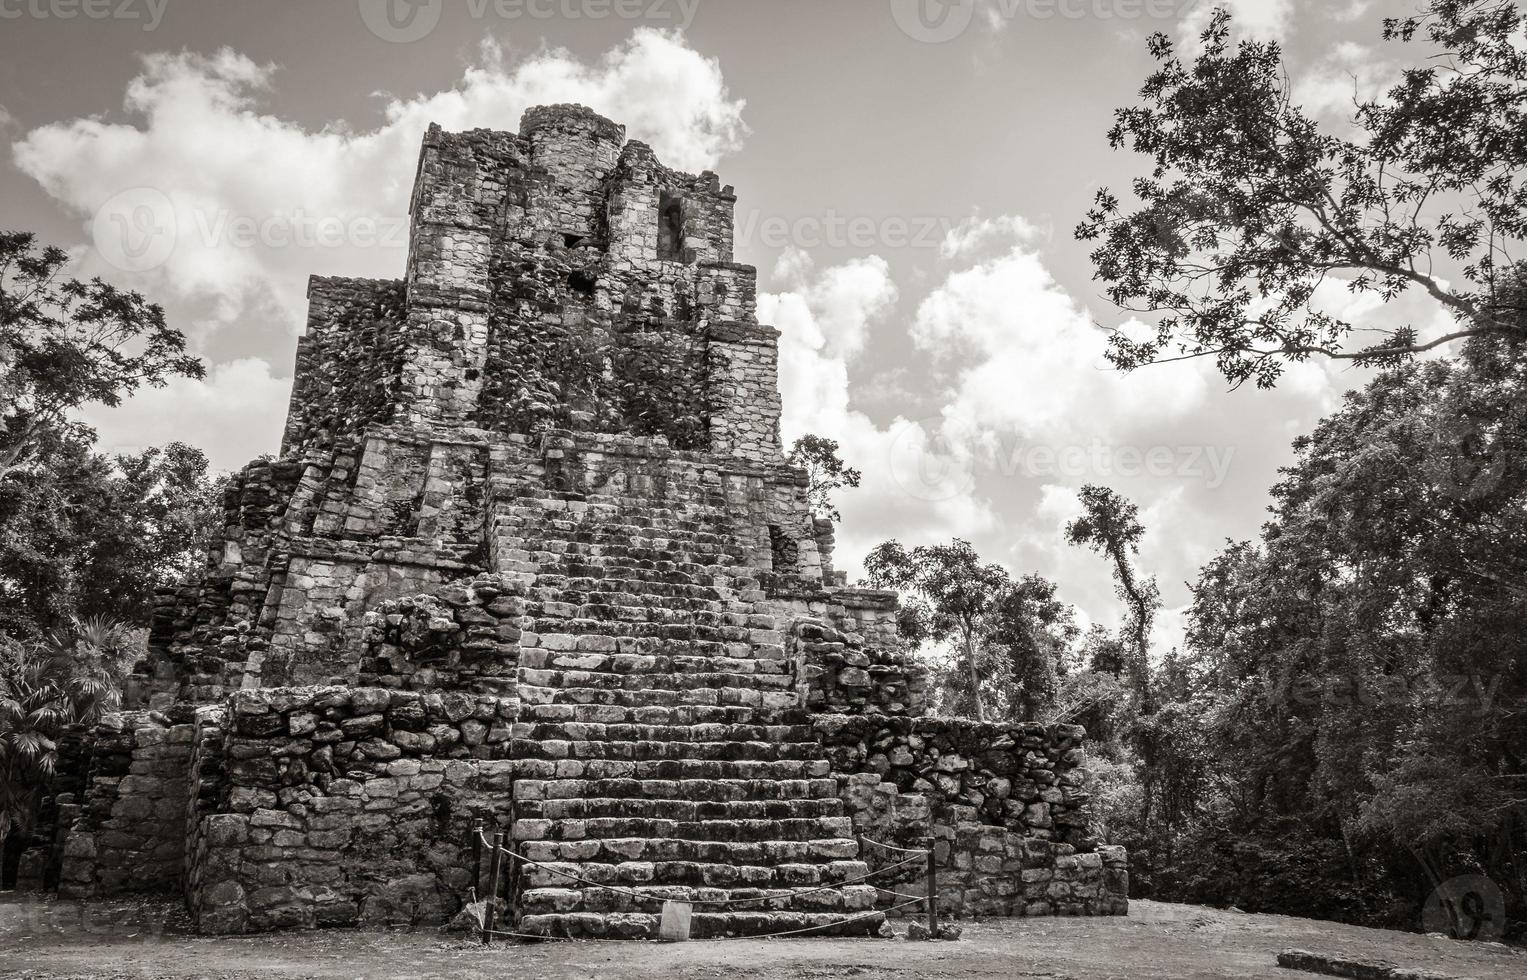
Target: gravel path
(50,940)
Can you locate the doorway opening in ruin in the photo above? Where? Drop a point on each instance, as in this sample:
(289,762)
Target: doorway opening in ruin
(670,226)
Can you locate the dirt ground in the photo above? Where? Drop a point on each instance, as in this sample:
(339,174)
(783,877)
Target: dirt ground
(46,940)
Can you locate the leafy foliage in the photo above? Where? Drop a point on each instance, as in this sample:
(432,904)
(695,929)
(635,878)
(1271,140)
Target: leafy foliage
(826,473)
(69,677)
(1005,638)
(65,344)
(85,535)
(1250,207)
(1111,525)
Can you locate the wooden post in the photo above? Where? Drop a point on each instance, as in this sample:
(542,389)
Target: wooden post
(491,894)
(932,891)
(510,888)
(477,859)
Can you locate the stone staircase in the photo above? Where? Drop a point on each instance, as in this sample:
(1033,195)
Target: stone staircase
(661,753)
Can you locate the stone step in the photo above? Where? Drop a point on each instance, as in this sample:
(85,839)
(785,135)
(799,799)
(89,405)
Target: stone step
(740,697)
(655,681)
(608,531)
(678,810)
(650,898)
(578,731)
(699,874)
(647,663)
(542,508)
(605,605)
(702,925)
(555,750)
(697,790)
(646,640)
(614,714)
(627,839)
(647,589)
(671,769)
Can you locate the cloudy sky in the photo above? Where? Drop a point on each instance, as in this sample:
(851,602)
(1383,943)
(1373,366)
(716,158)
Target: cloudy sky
(908,171)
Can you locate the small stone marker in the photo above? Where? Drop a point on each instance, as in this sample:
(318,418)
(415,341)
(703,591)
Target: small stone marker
(674,927)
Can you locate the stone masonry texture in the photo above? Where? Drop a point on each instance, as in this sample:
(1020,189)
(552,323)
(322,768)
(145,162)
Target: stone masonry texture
(532,558)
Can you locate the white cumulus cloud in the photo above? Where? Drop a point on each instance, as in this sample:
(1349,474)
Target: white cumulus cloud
(248,204)
(233,415)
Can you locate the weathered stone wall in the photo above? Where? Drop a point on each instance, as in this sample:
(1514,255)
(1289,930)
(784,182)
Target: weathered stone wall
(465,637)
(1026,778)
(982,869)
(340,806)
(130,836)
(850,659)
(347,370)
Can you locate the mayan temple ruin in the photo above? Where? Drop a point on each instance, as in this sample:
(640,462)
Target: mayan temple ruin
(532,555)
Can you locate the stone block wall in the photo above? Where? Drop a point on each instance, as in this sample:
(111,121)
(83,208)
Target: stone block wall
(130,835)
(348,364)
(342,806)
(745,399)
(465,637)
(849,655)
(1023,777)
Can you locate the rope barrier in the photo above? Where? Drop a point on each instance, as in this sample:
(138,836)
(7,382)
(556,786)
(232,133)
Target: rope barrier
(892,847)
(767,935)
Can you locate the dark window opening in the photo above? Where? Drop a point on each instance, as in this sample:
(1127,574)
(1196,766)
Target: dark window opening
(572,241)
(582,282)
(670,226)
(784,551)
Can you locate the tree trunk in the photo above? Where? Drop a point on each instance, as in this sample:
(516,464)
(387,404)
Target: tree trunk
(975,676)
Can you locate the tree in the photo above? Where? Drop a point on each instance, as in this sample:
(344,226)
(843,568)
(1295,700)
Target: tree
(65,344)
(1356,674)
(1111,525)
(84,535)
(1249,207)
(1035,629)
(960,594)
(69,677)
(825,473)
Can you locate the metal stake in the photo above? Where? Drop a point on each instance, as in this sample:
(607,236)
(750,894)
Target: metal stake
(932,891)
(491,894)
